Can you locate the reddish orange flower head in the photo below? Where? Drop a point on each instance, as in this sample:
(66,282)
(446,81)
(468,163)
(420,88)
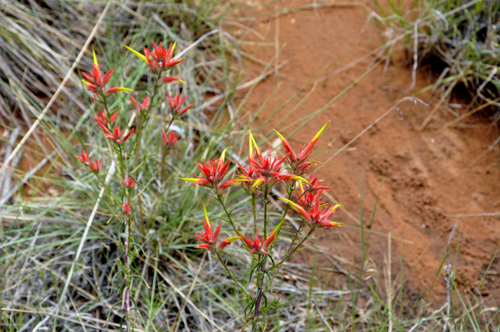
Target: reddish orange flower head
(314,214)
(127,209)
(169,139)
(160,58)
(209,238)
(84,158)
(143,106)
(130,183)
(176,104)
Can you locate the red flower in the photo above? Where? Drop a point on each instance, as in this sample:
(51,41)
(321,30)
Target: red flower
(259,246)
(314,214)
(170,139)
(314,184)
(142,107)
(209,238)
(130,183)
(94,167)
(298,161)
(176,103)
(102,119)
(309,193)
(212,173)
(95,81)
(116,135)
(127,209)
(84,158)
(268,167)
(159,58)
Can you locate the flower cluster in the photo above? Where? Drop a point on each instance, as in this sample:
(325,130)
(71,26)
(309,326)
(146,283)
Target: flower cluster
(209,238)
(262,173)
(116,126)
(259,179)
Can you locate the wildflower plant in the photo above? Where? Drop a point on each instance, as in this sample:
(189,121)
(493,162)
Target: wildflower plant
(263,174)
(123,129)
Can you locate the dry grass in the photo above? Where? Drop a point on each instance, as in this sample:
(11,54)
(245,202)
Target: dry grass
(44,211)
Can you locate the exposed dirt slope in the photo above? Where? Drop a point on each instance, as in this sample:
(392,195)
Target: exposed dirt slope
(428,175)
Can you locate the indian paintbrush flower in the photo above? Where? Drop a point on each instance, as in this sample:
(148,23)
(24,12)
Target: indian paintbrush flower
(127,209)
(169,139)
(95,82)
(84,158)
(268,168)
(130,183)
(159,58)
(209,238)
(95,167)
(176,104)
(314,214)
(298,161)
(143,106)
(116,134)
(213,173)
(102,118)
(259,246)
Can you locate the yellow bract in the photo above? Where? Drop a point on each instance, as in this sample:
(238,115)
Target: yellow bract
(321,131)
(233,238)
(337,206)
(95,58)
(189,179)
(125,89)
(206,215)
(280,136)
(139,55)
(251,141)
(223,155)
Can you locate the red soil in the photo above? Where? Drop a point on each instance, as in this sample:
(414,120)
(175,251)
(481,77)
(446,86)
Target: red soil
(427,175)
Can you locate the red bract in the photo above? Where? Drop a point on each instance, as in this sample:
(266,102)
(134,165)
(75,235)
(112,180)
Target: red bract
(298,161)
(213,173)
(209,238)
(116,135)
(142,107)
(94,167)
(102,120)
(159,58)
(95,81)
(314,214)
(227,242)
(176,103)
(166,80)
(268,167)
(169,139)
(307,200)
(130,183)
(314,184)
(127,209)
(84,158)
(259,246)
(250,179)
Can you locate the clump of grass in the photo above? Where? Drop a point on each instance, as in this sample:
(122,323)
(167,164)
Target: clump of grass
(459,41)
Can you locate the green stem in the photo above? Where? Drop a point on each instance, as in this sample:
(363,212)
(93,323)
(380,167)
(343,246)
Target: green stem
(229,273)
(227,213)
